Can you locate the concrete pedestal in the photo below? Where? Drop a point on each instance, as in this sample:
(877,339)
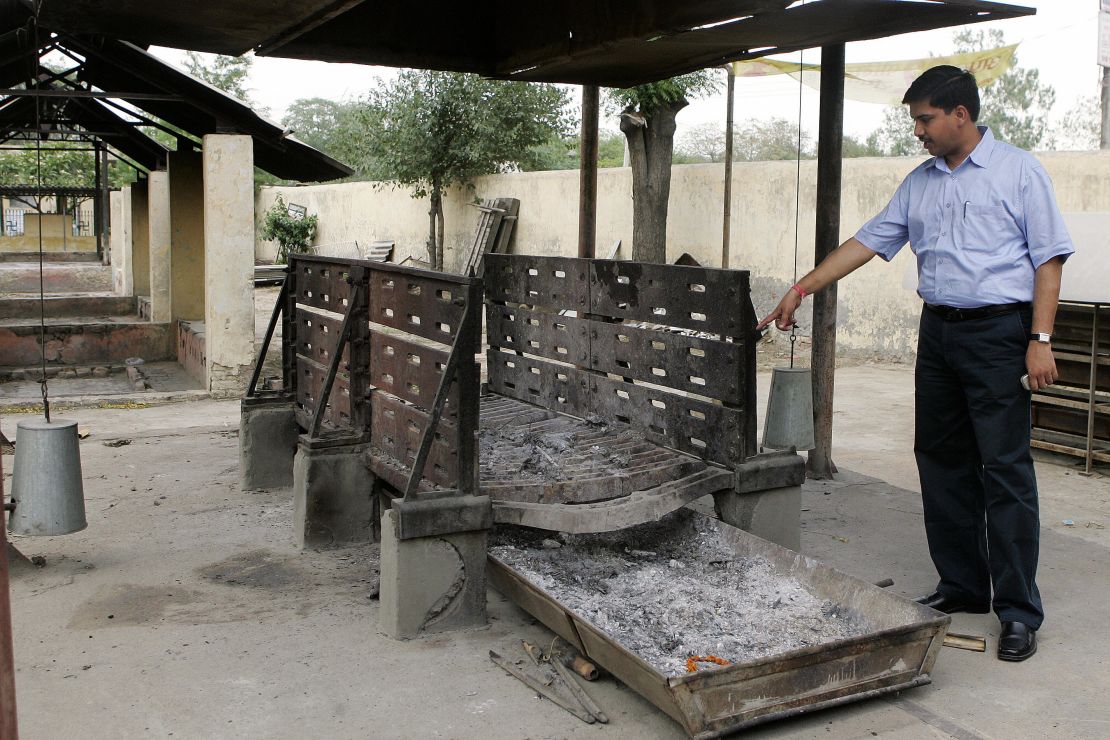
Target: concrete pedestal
(431,584)
(333,494)
(774,514)
(267,443)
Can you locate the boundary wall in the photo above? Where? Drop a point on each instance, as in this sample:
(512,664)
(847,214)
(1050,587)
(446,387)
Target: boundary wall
(877,310)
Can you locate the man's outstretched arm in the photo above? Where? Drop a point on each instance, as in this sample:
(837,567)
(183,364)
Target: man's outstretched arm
(1039,361)
(848,257)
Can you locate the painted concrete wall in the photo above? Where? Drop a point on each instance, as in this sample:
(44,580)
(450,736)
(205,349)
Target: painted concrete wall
(877,306)
(57,235)
(140,237)
(228,168)
(187,234)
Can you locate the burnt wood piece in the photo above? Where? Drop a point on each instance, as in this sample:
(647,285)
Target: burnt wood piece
(396,430)
(410,370)
(554,283)
(695,298)
(425,306)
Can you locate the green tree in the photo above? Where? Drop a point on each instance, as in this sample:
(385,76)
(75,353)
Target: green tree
(647,120)
(1081,127)
(442,129)
(610,149)
(338,128)
(294,235)
(227,73)
(1017,105)
(894,137)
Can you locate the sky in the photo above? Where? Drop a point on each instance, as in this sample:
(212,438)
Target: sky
(1060,40)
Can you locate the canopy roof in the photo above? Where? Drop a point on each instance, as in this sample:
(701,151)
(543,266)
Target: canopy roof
(82,103)
(614,43)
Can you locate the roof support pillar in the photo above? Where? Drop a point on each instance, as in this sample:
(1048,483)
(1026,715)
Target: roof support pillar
(121,244)
(587,163)
(228,262)
(830,146)
(158,245)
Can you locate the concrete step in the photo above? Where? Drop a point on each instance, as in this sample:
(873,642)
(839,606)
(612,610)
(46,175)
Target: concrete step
(23,277)
(26,306)
(85,341)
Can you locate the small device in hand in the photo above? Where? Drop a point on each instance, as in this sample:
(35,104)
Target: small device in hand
(1025,382)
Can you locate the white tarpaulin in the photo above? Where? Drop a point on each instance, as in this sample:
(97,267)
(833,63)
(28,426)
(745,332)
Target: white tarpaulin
(885,82)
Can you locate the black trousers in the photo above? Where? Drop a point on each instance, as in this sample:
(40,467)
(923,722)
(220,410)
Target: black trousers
(972,447)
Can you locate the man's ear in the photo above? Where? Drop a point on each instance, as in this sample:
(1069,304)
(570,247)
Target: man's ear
(963,115)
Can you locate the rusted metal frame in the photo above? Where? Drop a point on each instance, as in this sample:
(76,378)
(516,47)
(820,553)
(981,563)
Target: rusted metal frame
(279,310)
(424,305)
(358,280)
(410,370)
(557,283)
(8,725)
(397,427)
(468,381)
(1092,392)
(560,338)
(450,372)
(701,299)
(289,332)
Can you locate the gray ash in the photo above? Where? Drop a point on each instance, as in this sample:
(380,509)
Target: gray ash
(543,456)
(673,589)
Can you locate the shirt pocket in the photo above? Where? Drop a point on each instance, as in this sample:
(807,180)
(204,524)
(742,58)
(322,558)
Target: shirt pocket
(986,228)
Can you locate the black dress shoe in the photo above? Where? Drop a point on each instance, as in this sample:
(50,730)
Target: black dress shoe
(953,604)
(1017,641)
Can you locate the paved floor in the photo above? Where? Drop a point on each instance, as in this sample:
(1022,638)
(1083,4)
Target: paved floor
(185,610)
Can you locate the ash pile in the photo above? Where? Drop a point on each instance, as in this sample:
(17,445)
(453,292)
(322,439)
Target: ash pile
(673,589)
(528,454)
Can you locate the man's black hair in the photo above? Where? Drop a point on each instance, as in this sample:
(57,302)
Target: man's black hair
(946,87)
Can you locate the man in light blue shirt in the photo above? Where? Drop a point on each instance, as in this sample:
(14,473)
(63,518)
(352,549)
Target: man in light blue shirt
(990,243)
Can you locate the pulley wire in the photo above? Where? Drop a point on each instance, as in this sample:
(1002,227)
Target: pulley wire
(797,199)
(32,84)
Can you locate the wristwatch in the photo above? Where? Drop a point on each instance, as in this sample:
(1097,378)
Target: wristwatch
(1040,336)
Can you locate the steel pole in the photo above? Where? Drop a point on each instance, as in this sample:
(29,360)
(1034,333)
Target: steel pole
(587,163)
(830,145)
(1105,143)
(726,230)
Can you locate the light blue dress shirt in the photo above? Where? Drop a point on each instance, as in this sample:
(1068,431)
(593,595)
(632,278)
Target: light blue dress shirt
(979,231)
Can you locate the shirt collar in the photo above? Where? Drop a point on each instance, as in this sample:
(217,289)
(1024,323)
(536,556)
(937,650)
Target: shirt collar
(980,155)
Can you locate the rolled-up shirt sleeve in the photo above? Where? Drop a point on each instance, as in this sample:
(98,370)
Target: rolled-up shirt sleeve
(1043,226)
(888,232)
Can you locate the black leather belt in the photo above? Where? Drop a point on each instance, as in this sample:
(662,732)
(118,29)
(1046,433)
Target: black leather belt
(951,313)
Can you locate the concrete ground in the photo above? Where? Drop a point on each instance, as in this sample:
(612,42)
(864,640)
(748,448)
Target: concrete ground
(184,609)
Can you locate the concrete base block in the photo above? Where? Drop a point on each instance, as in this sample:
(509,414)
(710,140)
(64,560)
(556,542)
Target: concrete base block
(333,495)
(774,514)
(267,443)
(431,584)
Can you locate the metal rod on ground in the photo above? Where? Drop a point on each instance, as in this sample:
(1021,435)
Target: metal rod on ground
(830,145)
(726,229)
(8,725)
(587,163)
(580,694)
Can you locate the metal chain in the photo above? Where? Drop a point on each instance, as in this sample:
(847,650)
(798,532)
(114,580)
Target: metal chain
(797,198)
(32,83)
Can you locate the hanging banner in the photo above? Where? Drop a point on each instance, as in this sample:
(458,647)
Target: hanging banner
(885,82)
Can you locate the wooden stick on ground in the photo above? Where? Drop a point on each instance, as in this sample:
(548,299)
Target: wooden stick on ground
(539,687)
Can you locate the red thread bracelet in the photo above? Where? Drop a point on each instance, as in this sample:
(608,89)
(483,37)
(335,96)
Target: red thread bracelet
(797,288)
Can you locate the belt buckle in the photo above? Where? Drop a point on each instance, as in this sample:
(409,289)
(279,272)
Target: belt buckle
(956,314)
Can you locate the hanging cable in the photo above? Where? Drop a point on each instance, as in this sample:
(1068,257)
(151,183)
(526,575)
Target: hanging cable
(797,199)
(32,84)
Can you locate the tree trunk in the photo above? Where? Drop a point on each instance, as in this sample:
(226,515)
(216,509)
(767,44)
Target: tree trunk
(651,148)
(435,227)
